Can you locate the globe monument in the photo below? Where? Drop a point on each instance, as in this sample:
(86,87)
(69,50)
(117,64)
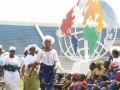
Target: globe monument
(93,16)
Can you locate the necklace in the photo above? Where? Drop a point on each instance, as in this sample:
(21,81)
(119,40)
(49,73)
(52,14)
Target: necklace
(47,54)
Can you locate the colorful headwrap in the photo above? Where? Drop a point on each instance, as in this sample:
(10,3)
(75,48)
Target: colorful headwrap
(74,74)
(101,63)
(113,64)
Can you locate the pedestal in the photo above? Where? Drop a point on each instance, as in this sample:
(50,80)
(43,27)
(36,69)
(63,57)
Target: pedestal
(81,67)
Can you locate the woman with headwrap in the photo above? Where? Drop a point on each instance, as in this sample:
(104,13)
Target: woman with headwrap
(22,62)
(11,73)
(23,58)
(48,58)
(99,69)
(30,83)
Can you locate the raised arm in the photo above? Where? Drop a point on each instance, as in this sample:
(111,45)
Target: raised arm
(110,58)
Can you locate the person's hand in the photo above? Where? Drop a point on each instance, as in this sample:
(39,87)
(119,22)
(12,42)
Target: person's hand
(21,76)
(30,75)
(54,69)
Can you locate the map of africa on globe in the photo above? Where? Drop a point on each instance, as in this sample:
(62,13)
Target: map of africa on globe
(96,17)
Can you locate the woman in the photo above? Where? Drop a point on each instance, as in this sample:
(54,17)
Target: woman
(48,58)
(22,62)
(99,69)
(11,73)
(30,84)
(23,58)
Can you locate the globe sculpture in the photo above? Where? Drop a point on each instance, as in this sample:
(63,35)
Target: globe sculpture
(97,33)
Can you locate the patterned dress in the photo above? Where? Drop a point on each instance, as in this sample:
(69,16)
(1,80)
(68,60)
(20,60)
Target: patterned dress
(46,75)
(31,83)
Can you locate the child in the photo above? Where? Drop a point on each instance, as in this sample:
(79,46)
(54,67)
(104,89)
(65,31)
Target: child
(91,72)
(80,81)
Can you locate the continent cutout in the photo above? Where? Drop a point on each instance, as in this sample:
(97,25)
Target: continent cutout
(68,22)
(90,34)
(93,8)
(75,43)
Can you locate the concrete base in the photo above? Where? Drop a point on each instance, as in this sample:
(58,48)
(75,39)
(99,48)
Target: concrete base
(81,67)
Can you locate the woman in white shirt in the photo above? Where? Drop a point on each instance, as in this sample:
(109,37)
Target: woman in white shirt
(11,73)
(22,62)
(48,58)
(30,84)
(23,58)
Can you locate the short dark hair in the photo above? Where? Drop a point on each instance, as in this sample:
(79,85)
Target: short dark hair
(83,76)
(115,52)
(107,62)
(93,64)
(60,75)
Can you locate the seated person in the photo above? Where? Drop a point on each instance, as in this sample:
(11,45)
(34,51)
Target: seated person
(80,81)
(104,78)
(64,84)
(99,84)
(80,87)
(114,67)
(58,80)
(74,75)
(106,65)
(91,72)
(99,70)
(113,85)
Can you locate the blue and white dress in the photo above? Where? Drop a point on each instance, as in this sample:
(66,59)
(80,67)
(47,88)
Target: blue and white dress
(46,74)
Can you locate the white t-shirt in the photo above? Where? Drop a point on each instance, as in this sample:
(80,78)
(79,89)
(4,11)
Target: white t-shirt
(47,58)
(30,59)
(117,60)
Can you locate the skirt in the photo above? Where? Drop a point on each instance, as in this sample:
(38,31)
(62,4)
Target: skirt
(31,83)
(46,77)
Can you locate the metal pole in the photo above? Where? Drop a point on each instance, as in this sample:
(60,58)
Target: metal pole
(61,56)
(39,31)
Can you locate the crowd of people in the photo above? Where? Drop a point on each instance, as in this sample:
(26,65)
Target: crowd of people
(103,75)
(38,69)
